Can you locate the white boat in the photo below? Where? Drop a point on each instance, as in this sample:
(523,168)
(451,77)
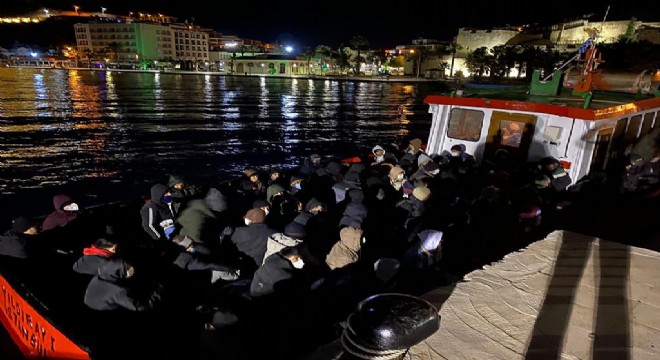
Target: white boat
(584,124)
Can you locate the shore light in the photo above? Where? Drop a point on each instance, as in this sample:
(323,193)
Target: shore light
(288,49)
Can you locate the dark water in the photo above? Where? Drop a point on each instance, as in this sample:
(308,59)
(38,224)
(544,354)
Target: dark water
(110,135)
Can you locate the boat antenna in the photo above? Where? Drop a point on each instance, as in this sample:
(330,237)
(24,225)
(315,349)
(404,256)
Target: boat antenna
(604,18)
(591,44)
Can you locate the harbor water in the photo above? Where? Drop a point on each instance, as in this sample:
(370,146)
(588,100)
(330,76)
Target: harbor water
(109,135)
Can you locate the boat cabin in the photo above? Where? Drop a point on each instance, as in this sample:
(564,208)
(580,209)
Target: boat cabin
(582,130)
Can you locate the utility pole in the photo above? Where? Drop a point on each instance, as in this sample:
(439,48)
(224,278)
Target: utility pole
(419,62)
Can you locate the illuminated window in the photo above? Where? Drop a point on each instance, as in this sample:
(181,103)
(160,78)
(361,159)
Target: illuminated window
(465,124)
(511,132)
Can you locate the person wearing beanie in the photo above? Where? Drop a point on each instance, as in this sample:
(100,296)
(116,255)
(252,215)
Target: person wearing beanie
(251,240)
(346,250)
(17,242)
(252,184)
(274,190)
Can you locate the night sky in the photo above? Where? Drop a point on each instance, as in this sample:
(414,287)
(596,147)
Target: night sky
(313,22)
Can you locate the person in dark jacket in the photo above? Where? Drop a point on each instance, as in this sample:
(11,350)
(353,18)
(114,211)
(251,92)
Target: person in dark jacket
(16,242)
(192,257)
(66,210)
(559,178)
(251,240)
(198,222)
(157,214)
(95,256)
(181,191)
(110,289)
(277,269)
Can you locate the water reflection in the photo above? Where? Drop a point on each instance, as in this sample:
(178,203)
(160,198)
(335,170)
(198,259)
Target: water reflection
(99,127)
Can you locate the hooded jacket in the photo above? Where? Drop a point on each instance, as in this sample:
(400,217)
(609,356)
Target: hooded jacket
(59,217)
(275,269)
(92,260)
(198,222)
(108,290)
(14,245)
(277,242)
(345,251)
(155,214)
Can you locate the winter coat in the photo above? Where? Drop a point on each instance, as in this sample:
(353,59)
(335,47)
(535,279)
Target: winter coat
(14,245)
(345,251)
(59,217)
(198,222)
(277,242)
(156,216)
(252,241)
(108,290)
(92,260)
(274,270)
(354,213)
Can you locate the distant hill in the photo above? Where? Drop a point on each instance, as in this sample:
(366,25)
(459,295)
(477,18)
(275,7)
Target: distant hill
(57,31)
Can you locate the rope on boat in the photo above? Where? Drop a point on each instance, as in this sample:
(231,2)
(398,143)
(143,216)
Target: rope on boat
(352,347)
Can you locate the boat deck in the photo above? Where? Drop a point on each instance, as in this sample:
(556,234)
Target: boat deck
(568,296)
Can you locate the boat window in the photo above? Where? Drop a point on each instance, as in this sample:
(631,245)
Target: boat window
(552,133)
(465,124)
(511,132)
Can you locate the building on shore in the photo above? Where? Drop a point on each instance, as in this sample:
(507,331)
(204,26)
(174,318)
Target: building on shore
(268,64)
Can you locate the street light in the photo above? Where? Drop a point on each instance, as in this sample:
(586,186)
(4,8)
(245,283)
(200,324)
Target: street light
(288,49)
(419,60)
(76,8)
(103,10)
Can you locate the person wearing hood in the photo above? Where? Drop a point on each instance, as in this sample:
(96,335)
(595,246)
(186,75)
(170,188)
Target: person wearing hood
(346,251)
(356,211)
(413,152)
(66,210)
(278,269)
(181,191)
(158,214)
(425,173)
(313,208)
(310,165)
(198,222)
(95,256)
(381,156)
(110,289)
(17,241)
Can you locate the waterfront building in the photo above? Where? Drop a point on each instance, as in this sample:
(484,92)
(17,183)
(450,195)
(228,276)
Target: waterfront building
(268,64)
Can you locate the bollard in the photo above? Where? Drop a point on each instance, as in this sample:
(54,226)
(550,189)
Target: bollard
(386,326)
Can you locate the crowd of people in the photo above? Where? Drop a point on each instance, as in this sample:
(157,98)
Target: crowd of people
(259,254)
